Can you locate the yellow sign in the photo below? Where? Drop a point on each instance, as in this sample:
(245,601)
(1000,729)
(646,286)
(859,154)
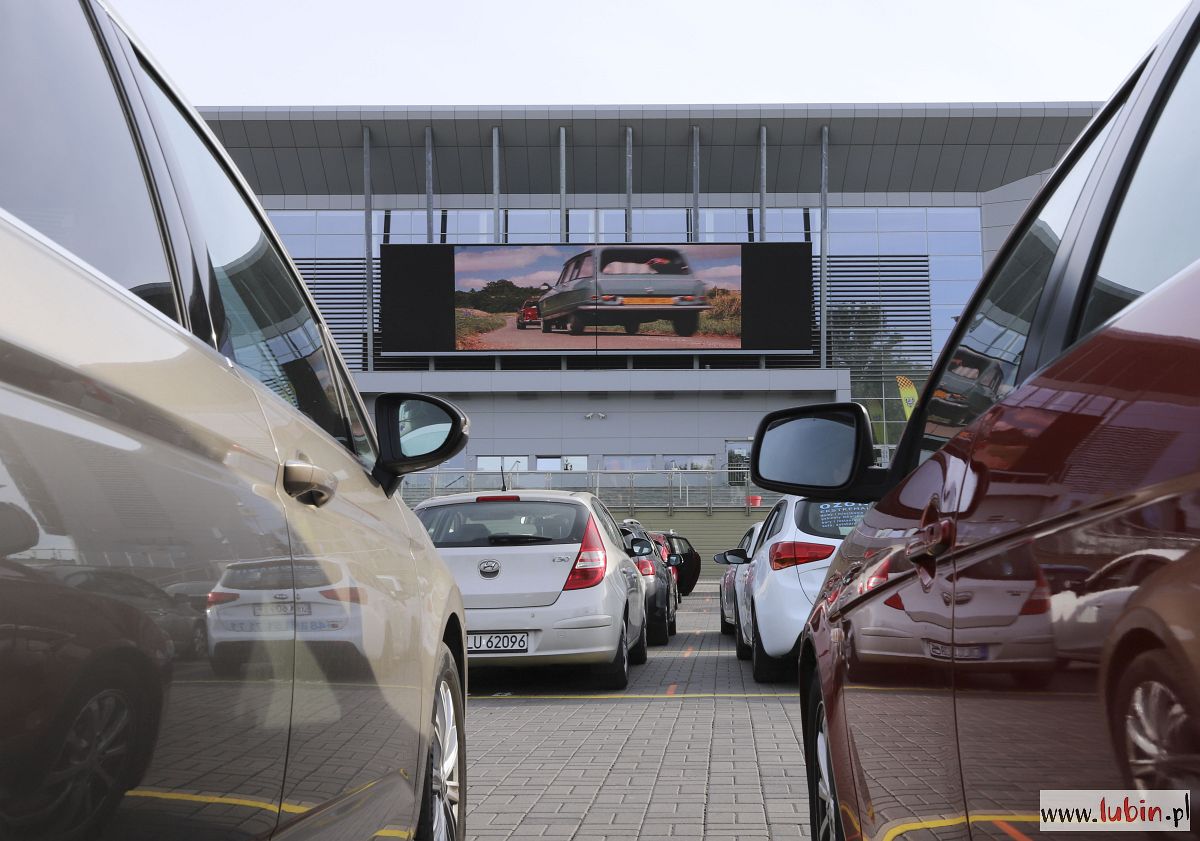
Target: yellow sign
(908,394)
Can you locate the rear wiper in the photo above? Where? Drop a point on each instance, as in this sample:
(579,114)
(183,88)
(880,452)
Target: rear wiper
(508,539)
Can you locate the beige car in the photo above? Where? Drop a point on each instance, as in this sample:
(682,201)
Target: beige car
(171,406)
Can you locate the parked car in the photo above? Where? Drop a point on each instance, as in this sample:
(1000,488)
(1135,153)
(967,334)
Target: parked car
(1087,452)
(182,624)
(728,601)
(546,580)
(663,547)
(784,573)
(337,609)
(529,314)
(632,286)
(196,592)
(690,562)
(171,400)
(662,599)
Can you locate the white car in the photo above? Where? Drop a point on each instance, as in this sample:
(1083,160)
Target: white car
(334,608)
(728,600)
(546,578)
(786,569)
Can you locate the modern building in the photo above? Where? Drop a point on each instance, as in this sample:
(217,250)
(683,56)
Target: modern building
(903,204)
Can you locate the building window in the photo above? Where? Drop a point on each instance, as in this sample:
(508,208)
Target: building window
(627,462)
(564,463)
(703,462)
(660,225)
(493,464)
(532,226)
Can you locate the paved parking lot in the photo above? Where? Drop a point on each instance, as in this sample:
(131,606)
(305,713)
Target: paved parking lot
(694,748)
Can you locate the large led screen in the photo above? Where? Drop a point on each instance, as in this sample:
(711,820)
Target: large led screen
(595,298)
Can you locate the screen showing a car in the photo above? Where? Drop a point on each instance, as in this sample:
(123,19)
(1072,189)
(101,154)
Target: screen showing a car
(504,523)
(706,297)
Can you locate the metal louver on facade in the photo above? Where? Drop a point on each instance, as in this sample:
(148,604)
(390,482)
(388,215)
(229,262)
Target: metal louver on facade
(337,286)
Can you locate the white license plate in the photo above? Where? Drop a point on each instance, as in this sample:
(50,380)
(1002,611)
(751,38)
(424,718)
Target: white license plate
(503,642)
(957,652)
(281,609)
(259,626)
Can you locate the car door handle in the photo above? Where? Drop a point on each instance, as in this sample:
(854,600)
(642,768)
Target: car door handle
(930,541)
(309,483)
(959,598)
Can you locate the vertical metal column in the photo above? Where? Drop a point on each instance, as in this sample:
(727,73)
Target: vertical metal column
(429,183)
(762,183)
(824,245)
(562,183)
(498,232)
(369,262)
(695,232)
(628,185)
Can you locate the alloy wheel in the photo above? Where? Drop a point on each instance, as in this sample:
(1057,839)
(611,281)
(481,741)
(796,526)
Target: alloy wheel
(446,778)
(1159,745)
(827,809)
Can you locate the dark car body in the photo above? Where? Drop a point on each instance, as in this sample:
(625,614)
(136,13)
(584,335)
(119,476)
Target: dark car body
(689,570)
(662,600)
(195,591)
(529,314)
(634,285)
(1086,450)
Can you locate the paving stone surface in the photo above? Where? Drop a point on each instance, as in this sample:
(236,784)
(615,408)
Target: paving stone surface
(694,748)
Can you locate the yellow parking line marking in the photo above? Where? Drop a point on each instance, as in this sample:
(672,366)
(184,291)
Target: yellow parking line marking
(635,696)
(938,823)
(290,808)
(392,833)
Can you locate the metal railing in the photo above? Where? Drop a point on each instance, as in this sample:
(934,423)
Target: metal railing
(620,490)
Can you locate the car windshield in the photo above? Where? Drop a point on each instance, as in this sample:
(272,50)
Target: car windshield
(642,261)
(829,519)
(504,522)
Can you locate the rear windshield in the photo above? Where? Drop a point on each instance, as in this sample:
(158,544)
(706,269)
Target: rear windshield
(829,519)
(642,261)
(277,575)
(504,523)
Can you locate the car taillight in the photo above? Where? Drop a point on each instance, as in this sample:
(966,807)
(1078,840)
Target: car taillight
(790,553)
(354,595)
(591,562)
(1039,599)
(497,499)
(894,601)
(215,599)
(877,578)
(645,565)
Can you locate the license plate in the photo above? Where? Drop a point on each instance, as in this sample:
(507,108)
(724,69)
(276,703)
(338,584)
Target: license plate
(258,626)
(957,652)
(502,642)
(649,301)
(282,609)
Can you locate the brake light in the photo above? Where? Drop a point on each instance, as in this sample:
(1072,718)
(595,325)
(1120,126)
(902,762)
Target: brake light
(687,297)
(497,499)
(608,297)
(645,565)
(591,562)
(789,553)
(877,578)
(1039,599)
(217,598)
(894,601)
(353,595)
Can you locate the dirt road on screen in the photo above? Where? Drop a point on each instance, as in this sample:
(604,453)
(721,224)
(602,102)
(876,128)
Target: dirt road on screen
(509,337)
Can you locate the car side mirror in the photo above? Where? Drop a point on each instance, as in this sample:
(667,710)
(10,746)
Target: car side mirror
(824,451)
(639,547)
(674,560)
(719,558)
(1076,587)
(416,431)
(733,557)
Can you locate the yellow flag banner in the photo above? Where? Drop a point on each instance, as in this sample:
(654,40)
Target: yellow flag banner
(908,394)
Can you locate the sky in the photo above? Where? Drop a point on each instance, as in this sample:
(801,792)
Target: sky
(550,52)
(532,265)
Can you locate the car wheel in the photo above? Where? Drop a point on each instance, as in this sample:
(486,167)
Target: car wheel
(727,627)
(686,325)
(546,326)
(672,628)
(443,809)
(826,823)
(638,654)
(226,667)
(101,737)
(615,675)
(520,325)
(576,324)
(743,651)
(660,629)
(198,648)
(632,327)
(1153,725)
(764,667)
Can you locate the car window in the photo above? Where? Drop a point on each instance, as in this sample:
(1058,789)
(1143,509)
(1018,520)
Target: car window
(744,543)
(608,523)
(1154,235)
(587,266)
(829,519)
(502,522)
(69,166)
(1113,577)
(982,369)
(772,524)
(260,317)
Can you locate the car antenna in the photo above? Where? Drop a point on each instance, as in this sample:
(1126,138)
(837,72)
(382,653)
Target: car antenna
(503,478)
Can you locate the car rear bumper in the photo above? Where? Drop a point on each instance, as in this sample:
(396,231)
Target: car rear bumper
(643,313)
(580,627)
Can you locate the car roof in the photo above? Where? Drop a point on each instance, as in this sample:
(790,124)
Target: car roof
(525,495)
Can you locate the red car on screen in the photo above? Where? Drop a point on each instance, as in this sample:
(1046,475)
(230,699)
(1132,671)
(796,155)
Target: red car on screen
(529,315)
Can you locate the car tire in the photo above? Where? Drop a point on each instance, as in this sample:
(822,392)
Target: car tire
(672,627)
(615,674)
(660,631)
(741,648)
(1152,705)
(520,325)
(225,666)
(547,326)
(727,627)
(687,324)
(576,325)
(764,667)
(639,653)
(632,328)
(198,645)
(443,807)
(823,810)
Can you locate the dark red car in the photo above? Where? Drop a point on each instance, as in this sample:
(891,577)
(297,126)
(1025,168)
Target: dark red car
(940,670)
(529,315)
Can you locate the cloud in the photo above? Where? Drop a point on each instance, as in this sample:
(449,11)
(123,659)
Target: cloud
(470,284)
(727,277)
(537,278)
(500,259)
